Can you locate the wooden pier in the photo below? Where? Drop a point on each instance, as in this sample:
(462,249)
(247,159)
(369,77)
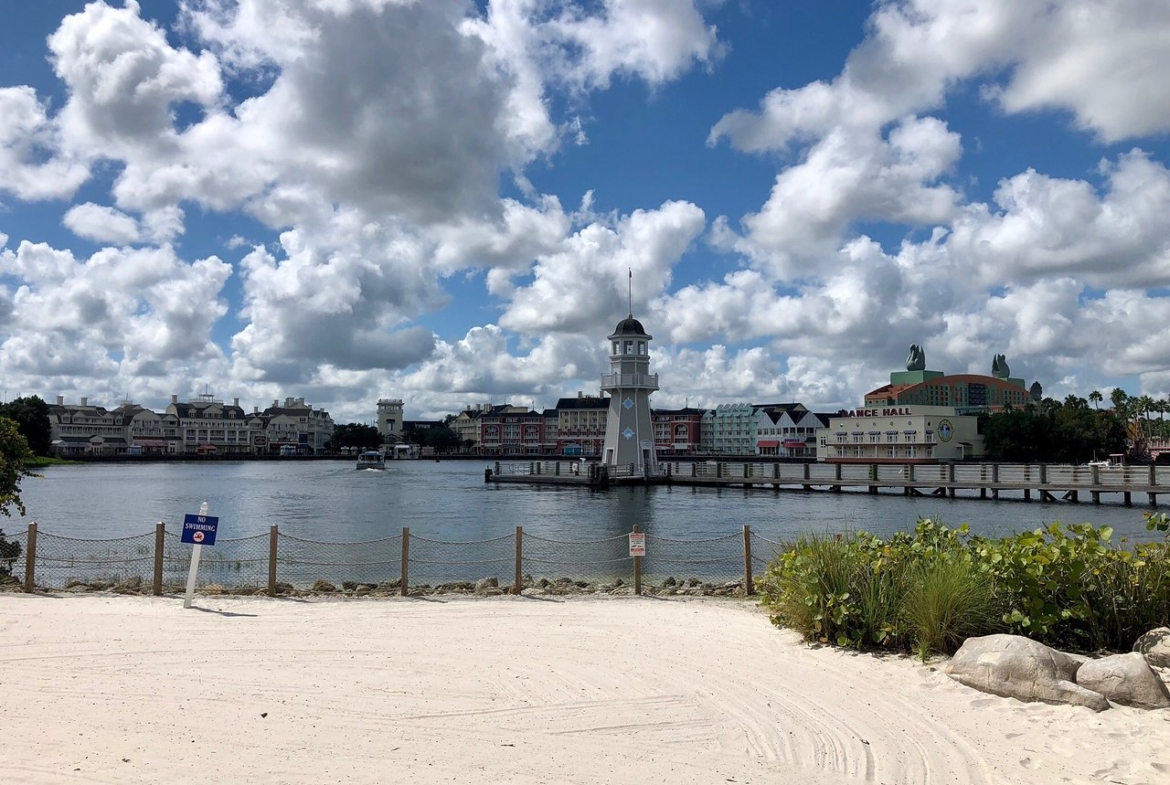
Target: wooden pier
(1044,482)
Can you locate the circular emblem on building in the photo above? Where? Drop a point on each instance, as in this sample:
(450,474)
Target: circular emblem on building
(629,404)
(628,433)
(945,430)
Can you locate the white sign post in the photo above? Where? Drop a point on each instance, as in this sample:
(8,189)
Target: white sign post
(196,549)
(637,544)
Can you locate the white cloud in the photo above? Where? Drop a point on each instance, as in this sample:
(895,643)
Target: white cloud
(102,224)
(26,136)
(480,366)
(850,176)
(339,295)
(123,79)
(119,311)
(1053,227)
(585,281)
(1103,61)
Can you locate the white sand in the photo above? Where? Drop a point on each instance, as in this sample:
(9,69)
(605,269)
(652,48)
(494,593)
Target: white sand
(508,690)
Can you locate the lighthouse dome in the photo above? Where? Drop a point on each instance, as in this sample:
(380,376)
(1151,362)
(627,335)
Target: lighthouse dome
(630,326)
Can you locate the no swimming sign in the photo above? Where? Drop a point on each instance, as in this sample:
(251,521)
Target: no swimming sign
(199,529)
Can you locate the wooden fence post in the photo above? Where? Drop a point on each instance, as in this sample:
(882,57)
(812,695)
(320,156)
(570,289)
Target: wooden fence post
(637,569)
(273,537)
(160,529)
(748,587)
(516,587)
(30,558)
(405,560)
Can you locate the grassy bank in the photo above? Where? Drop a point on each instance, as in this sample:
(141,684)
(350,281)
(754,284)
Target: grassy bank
(1067,586)
(41,462)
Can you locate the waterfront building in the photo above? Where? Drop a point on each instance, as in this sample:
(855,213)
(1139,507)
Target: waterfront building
(511,430)
(788,430)
(150,433)
(296,425)
(503,429)
(707,432)
(678,431)
(203,426)
(581,424)
(77,429)
(551,423)
(966,393)
(899,434)
(629,430)
(733,429)
(390,422)
(207,425)
(466,425)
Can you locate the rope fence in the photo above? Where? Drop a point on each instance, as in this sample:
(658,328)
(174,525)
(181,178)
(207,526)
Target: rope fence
(404,564)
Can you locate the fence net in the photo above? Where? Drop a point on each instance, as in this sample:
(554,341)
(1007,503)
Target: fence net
(374,564)
(764,552)
(242,565)
(237,564)
(713,561)
(65,562)
(593,562)
(452,565)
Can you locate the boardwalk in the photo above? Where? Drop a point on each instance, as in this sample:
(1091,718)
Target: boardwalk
(1047,482)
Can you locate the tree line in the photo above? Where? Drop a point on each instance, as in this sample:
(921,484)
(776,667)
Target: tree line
(1075,430)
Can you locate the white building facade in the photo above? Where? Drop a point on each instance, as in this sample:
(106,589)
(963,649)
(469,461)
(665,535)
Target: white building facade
(900,434)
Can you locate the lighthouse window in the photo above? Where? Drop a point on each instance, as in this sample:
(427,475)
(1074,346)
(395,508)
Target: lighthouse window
(615,347)
(628,348)
(641,347)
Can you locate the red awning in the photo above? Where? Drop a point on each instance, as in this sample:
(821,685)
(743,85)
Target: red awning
(795,444)
(769,444)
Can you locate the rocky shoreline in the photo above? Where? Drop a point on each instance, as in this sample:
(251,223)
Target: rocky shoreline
(485,587)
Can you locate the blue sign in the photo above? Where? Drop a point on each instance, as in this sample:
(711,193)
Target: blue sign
(199,529)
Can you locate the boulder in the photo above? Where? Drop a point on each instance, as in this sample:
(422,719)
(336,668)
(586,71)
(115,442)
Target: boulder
(1013,666)
(484,584)
(323,585)
(1125,679)
(1155,647)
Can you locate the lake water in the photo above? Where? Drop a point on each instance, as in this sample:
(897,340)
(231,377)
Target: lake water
(329,501)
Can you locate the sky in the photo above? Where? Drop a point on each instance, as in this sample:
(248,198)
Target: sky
(454,202)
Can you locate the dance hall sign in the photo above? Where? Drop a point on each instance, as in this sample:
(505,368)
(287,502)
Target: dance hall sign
(900,411)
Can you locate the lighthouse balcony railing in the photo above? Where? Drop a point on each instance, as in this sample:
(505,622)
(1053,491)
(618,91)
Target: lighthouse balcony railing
(635,380)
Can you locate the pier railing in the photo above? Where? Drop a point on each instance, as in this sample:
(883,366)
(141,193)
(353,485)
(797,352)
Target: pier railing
(405,564)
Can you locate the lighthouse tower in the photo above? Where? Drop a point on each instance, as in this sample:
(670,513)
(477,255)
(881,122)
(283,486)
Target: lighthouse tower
(629,429)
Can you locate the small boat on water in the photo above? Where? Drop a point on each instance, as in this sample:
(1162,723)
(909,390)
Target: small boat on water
(371,459)
(1116,461)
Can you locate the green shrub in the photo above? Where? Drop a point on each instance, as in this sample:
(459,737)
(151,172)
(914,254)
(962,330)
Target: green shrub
(946,602)
(1066,586)
(10,551)
(836,590)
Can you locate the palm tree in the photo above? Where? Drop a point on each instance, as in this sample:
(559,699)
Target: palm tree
(1145,405)
(1118,397)
(1096,398)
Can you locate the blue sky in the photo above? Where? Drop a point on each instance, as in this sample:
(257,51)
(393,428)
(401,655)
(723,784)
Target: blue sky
(440,201)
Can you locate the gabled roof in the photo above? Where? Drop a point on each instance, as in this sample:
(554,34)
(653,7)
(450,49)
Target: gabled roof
(583,402)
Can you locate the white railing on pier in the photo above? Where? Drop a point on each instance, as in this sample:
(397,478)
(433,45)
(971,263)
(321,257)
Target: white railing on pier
(955,475)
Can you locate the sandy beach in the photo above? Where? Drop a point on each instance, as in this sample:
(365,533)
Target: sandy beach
(111,689)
